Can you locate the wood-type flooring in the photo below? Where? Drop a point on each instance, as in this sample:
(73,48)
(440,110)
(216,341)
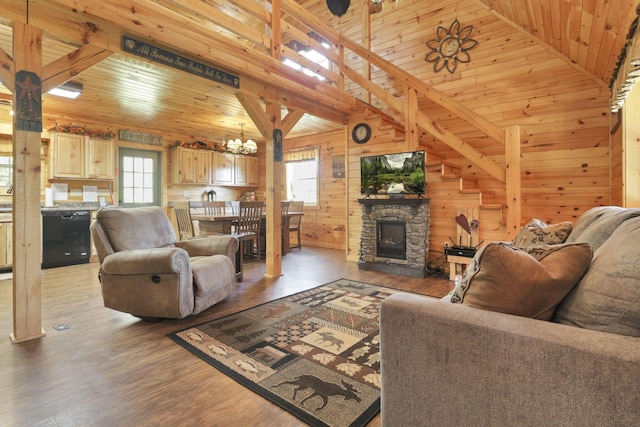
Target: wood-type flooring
(113,369)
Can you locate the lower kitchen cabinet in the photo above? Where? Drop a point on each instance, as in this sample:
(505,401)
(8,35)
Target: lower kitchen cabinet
(6,244)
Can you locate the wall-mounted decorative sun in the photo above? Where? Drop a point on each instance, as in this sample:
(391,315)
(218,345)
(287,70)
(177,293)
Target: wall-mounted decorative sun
(450,47)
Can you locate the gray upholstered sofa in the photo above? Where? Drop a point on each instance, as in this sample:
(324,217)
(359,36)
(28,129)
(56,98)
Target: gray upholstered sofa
(446,364)
(146,272)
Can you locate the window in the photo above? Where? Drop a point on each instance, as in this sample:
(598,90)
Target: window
(301,176)
(139,178)
(6,171)
(312,55)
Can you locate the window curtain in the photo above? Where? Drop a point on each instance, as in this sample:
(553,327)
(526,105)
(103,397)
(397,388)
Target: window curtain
(301,155)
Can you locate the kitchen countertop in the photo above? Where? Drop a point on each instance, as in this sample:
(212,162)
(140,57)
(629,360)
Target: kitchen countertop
(8,208)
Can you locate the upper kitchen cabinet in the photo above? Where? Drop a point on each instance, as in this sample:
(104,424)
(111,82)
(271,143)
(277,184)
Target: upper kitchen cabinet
(197,166)
(234,170)
(74,156)
(246,171)
(66,155)
(223,170)
(190,166)
(100,158)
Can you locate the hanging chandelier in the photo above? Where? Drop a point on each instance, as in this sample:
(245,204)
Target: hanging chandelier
(240,145)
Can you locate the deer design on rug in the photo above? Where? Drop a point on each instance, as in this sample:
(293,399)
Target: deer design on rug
(322,389)
(330,338)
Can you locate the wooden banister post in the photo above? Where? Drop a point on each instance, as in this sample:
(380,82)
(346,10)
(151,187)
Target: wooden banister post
(513,180)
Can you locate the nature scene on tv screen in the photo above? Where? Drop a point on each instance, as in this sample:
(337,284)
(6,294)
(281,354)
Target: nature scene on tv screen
(393,174)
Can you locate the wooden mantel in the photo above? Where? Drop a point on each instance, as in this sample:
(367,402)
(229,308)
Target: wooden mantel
(394,201)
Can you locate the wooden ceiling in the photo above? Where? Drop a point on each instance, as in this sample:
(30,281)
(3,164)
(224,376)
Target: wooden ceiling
(131,92)
(590,33)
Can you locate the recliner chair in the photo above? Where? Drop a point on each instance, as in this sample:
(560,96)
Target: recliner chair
(145,271)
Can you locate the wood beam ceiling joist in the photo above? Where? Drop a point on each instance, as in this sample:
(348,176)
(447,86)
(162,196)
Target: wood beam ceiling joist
(178,32)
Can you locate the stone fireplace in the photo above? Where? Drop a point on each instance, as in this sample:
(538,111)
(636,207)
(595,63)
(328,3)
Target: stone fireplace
(395,236)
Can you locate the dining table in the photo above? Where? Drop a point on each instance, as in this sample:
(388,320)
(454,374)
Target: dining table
(223,223)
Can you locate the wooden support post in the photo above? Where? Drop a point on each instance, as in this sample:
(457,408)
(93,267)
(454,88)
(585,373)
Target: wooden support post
(410,122)
(274,194)
(366,42)
(27,236)
(513,180)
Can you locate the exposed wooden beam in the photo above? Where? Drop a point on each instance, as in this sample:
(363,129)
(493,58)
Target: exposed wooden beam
(257,114)
(438,131)
(268,120)
(273,195)
(65,68)
(27,289)
(445,101)
(290,120)
(153,22)
(410,122)
(450,104)
(7,72)
(102,24)
(276,33)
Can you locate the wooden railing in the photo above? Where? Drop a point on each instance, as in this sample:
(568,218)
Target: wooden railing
(296,24)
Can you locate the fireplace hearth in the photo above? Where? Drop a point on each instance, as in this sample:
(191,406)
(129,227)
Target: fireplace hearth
(395,236)
(391,239)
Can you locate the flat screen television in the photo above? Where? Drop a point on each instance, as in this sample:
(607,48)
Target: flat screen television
(395,174)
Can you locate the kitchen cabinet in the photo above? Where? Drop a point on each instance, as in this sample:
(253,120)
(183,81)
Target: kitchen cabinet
(223,170)
(100,158)
(74,156)
(66,155)
(190,166)
(234,170)
(246,171)
(6,240)
(253,176)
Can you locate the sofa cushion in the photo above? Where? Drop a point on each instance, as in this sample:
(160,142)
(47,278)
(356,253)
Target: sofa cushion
(536,232)
(607,298)
(596,225)
(507,279)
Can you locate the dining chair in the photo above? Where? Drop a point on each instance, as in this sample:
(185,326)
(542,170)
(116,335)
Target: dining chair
(248,227)
(295,222)
(214,208)
(186,226)
(284,225)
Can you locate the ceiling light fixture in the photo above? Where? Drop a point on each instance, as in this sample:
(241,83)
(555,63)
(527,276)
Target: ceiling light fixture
(68,90)
(239,145)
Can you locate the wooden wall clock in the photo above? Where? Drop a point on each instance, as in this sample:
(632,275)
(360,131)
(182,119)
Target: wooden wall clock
(361,133)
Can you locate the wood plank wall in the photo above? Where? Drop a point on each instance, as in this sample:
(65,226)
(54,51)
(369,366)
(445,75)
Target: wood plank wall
(512,79)
(326,225)
(384,140)
(170,192)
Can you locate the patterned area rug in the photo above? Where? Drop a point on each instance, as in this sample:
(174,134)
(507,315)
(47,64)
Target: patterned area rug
(315,353)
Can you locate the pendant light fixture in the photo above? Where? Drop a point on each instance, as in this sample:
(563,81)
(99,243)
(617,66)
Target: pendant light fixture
(240,145)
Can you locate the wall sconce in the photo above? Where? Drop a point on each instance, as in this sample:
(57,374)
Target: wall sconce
(68,90)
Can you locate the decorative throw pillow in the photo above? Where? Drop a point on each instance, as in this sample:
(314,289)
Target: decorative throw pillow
(607,298)
(507,279)
(537,232)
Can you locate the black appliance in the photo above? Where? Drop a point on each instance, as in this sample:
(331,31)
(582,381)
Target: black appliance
(65,237)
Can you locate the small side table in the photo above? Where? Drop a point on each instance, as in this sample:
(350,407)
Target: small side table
(454,261)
